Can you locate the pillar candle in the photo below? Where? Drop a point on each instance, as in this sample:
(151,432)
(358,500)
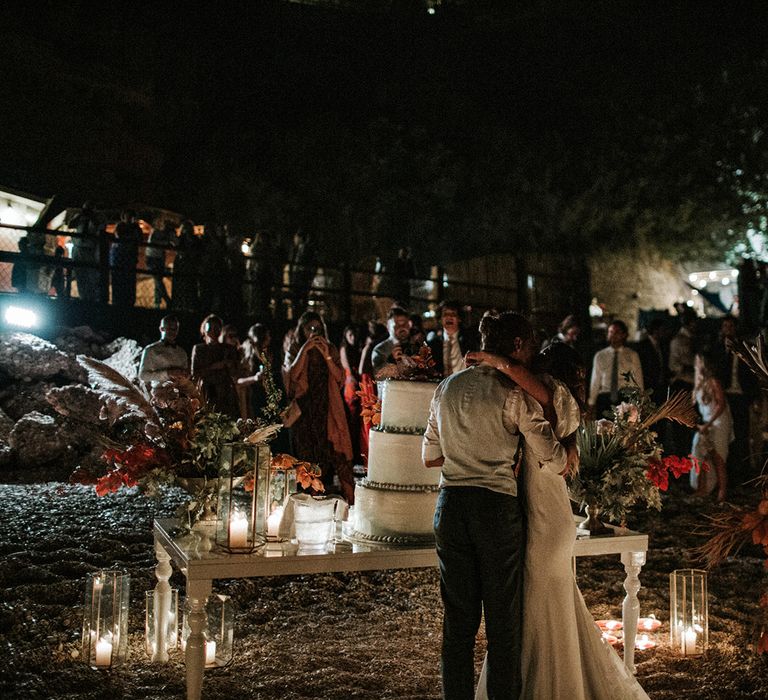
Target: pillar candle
(103,653)
(689,642)
(238,532)
(273,521)
(210,652)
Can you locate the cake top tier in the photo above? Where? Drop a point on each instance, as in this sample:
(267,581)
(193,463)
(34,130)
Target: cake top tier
(405,405)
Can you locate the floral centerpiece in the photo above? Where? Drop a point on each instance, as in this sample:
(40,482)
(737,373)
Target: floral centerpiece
(621,460)
(162,436)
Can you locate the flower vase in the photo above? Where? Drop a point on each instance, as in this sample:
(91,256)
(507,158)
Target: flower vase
(592,522)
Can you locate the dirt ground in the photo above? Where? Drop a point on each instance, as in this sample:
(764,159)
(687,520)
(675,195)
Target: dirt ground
(358,635)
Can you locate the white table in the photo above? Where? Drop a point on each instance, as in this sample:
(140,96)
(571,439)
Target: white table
(201,563)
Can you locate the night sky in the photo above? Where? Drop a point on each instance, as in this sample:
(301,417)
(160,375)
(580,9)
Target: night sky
(485,123)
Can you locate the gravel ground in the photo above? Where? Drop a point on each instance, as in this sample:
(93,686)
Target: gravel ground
(366,635)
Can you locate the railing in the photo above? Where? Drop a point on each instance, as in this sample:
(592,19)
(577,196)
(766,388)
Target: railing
(340,292)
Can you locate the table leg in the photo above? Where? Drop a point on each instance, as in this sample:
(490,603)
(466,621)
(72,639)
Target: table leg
(162,602)
(633,563)
(194,657)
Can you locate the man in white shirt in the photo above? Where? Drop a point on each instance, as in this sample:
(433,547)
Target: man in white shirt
(452,342)
(477,421)
(609,367)
(164,359)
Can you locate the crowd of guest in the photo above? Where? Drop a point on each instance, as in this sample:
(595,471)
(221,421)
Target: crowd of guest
(322,382)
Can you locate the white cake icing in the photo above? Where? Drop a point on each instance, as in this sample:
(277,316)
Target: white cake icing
(396,502)
(405,405)
(395,458)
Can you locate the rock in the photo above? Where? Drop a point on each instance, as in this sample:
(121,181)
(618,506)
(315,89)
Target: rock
(19,399)
(81,340)
(6,425)
(26,357)
(37,440)
(123,355)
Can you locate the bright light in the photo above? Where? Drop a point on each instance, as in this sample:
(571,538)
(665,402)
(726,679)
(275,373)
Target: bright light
(693,277)
(431,10)
(689,302)
(18,316)
(713,275)
(695,292)
(726,281)
(245,248)
(702,284)
(734,274)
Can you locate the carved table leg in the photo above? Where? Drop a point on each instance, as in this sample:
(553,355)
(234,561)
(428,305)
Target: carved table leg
(162,603)
(633,563)
(197,596)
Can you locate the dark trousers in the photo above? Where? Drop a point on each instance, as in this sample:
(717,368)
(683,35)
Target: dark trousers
(481,547)
(739,465)
(603,403)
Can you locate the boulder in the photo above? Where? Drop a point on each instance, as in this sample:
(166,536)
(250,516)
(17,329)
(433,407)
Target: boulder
(25,357)
(36,440)
(17,400)
(82,340)
(123,355)
(6,425)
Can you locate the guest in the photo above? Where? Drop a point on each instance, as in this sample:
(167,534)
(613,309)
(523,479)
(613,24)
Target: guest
(653,360)
(609,369)
(349,355)
(230,336)
(256,360)
(681,358)
(186,269)
(741,390)
(60,279)
(713,437)
(313,378)
(85,253)
(19,271)
(568,332)
(403,271)
(397,344)
(302,267)
(261,268)
(124,257)
(215,368)
(418,334)
(164,359)
(375,334)
(162,237)
(452,341)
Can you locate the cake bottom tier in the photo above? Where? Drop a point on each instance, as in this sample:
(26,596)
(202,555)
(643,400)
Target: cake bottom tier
(394,514)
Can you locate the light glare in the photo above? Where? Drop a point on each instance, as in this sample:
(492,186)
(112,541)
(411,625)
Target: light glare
(18,316)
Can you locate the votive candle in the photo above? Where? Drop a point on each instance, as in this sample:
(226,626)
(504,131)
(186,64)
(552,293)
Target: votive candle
(689,642)
(273,522)
(103,652)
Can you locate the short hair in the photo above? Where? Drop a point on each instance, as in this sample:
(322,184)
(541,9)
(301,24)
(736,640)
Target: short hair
(620,325)
(170,319)
(258,332)
(396,311)
(570,321)
(452,304)
(498,332)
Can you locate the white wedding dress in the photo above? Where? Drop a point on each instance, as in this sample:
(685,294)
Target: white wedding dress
(563,656)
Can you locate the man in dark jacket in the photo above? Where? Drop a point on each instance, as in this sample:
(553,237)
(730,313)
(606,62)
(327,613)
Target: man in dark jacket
(452,341)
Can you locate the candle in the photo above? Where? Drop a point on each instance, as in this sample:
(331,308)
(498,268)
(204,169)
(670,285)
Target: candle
(645,642)
(273,522)
(609,625)
(238,531)
(689,642)
(103,652)
(648,624)
(610,639)
(210,652)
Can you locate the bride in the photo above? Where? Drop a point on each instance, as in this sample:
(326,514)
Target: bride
(563,655)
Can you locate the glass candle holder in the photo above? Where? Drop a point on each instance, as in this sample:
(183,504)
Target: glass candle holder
(105,618)
(219,632)
(240,517)
(157,634)
(281,484)
(688,612)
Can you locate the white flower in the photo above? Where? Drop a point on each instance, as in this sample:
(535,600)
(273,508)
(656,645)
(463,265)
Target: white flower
(605,427)
(628,411)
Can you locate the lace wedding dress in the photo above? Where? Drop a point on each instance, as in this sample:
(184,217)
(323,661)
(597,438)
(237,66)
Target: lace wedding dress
(564,657)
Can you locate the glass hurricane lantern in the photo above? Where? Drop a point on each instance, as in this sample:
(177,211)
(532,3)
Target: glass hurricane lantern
(105,618)
(688,613)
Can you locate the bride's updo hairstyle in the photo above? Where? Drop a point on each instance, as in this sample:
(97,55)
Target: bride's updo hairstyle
(498,331)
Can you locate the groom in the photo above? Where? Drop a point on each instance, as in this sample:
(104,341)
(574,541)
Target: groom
(477,422)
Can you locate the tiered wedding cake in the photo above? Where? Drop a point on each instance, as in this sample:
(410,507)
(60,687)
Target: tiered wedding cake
(396,502)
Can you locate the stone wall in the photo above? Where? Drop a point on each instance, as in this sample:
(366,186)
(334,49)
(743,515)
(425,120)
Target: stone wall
(627,282)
